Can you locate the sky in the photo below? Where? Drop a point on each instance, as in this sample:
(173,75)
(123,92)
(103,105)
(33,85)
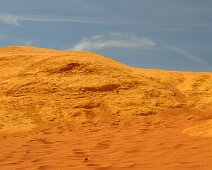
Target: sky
(159,34)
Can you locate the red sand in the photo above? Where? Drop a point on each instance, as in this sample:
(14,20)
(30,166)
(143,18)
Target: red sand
(141,143)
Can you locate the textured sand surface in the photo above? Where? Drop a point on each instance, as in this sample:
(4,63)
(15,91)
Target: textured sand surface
(81,110)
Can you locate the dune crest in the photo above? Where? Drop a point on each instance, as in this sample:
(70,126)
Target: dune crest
(41,85)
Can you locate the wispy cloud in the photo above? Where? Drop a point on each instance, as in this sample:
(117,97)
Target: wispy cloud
(113,40)
(186,54)
(9,19)
(17,19)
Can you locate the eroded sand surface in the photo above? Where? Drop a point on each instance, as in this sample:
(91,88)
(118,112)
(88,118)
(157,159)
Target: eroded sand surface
(80,110)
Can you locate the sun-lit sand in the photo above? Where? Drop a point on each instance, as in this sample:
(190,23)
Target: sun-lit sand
(81,110)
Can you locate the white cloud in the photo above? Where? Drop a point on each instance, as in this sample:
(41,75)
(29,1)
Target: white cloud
(113,40)
(16,19)
(9,19)
(186,54)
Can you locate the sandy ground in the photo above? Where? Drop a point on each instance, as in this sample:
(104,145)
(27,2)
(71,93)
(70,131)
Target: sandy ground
(80,110)
(152,142)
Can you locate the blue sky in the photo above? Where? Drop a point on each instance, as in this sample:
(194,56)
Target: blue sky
(163,34)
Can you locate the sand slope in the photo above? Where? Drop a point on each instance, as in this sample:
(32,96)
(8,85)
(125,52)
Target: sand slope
(106,108)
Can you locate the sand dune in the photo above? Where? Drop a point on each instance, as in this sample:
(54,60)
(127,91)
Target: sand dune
(81,110)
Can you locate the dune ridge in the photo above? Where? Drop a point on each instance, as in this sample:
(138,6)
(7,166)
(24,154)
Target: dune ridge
(39,85)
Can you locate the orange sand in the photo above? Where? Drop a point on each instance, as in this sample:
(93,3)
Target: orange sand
(80,110)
